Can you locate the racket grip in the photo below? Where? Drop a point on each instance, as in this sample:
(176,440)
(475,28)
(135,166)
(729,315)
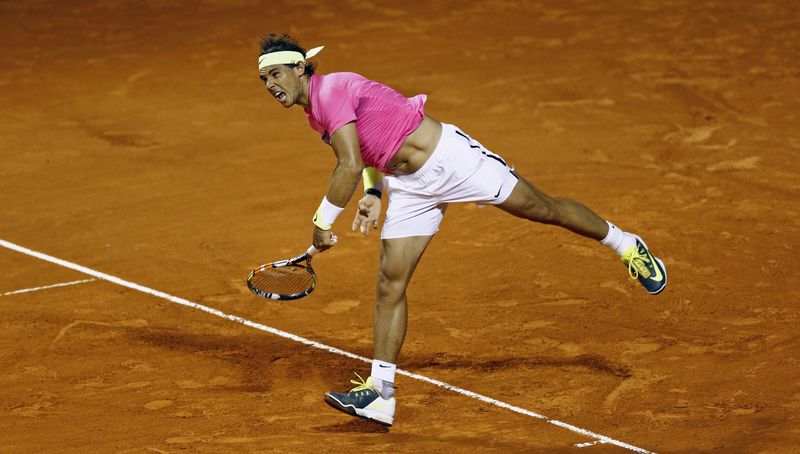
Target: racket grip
(312,251)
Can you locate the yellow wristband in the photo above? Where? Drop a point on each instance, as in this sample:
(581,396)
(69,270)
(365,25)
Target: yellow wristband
(372,178)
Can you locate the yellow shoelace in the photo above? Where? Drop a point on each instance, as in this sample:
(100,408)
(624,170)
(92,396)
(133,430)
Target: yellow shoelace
(361,385)
(637,263)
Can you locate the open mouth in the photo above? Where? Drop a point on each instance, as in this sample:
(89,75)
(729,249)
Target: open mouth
(280,96)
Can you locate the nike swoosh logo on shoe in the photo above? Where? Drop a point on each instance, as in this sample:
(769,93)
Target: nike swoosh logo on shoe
(658,276)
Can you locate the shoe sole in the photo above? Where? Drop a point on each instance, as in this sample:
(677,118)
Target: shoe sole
(369,415)
(663,268)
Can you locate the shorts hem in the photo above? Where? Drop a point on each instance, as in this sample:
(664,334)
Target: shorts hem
(399,235)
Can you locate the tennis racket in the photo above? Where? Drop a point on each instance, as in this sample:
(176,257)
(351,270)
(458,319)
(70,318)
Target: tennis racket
(285,279)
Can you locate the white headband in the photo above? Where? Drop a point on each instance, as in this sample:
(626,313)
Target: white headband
(285,57)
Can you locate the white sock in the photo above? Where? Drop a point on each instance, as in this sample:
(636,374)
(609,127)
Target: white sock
(383,377)
(618,240)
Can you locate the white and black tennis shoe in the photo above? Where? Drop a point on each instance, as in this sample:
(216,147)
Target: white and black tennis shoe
(363,401)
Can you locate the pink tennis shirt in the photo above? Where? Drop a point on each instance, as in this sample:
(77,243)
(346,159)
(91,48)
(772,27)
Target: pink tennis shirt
(383,117)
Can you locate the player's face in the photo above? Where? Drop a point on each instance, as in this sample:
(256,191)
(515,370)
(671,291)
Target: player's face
(284,83)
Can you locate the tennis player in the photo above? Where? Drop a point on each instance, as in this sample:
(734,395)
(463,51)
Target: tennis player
(387,140)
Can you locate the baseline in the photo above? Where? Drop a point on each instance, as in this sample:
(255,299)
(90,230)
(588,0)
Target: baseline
(45,287)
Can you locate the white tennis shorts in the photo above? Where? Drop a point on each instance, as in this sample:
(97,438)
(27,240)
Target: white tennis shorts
(459,170)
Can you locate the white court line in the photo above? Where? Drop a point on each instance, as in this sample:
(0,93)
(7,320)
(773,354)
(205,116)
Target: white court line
(591,443)
(302,340)
(36,289)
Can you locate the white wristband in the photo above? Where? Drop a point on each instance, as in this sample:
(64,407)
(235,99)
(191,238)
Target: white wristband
(326,214)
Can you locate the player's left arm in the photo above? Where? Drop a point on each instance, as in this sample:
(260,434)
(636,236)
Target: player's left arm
(369,207)
(344,180)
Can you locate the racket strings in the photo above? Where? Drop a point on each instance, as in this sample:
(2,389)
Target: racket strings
(285,280)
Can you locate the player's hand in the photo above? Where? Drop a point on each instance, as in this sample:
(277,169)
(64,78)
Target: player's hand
(323,239)
(369,209)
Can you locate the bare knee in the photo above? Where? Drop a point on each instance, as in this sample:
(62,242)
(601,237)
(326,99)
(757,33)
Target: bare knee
(399,258)
(527,202)
(546,210)
(390,289)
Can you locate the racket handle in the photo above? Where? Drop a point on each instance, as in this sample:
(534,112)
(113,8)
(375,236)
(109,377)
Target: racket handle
(312,251)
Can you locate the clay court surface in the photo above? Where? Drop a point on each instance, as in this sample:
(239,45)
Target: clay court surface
(137,141)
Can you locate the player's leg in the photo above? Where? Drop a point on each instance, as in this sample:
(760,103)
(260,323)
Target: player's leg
(527,202)
(412,218)
(495,183)
(399,258)
(374,398)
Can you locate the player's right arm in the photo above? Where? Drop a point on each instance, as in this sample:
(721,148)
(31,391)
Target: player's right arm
(344,180)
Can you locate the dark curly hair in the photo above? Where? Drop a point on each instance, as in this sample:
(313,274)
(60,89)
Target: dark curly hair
(276,43)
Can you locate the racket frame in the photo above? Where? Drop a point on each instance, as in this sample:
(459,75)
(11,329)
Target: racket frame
(280,264)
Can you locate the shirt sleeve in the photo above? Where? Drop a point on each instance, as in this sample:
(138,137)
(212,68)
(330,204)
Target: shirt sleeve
(338,108)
